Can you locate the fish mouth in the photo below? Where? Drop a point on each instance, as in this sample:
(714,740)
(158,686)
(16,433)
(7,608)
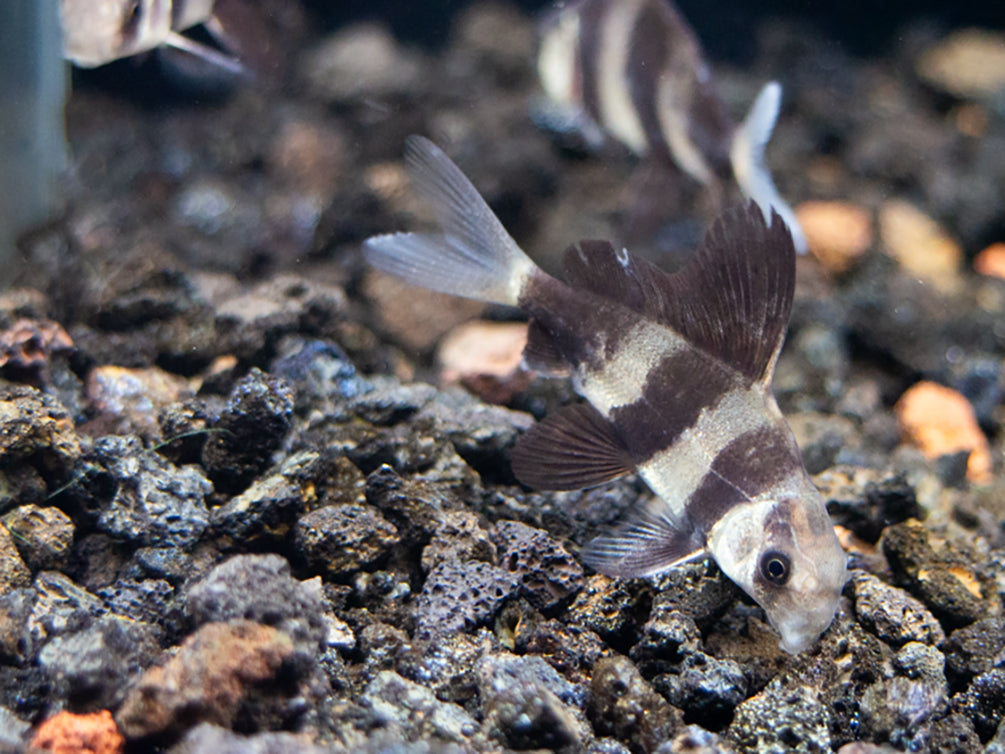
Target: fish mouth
(800,634)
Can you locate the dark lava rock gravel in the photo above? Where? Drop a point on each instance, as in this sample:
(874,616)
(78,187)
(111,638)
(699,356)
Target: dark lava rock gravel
(302,544)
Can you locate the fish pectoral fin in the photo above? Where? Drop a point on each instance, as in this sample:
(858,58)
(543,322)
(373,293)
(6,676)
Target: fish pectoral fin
(572,448)
(649,542)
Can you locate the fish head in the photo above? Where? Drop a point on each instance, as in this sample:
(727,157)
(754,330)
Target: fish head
(784,553)
(98,32)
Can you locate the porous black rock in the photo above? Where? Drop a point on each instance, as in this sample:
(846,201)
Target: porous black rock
(458,596)
(782,718)
(414,507)
(206,737)
(250,429)
(891,613)
(624,705)
(338,540)
(944,578)
(37,431)
(903,707)
(867,501)
(43,535)
(264,514)
(412,710)
(973,650)
(549,575)
(983,703)
(323,377)
(16,607)
(150,600)
(459,536)
(706,688)
(612,608)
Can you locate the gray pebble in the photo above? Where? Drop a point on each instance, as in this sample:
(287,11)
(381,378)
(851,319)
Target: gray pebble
(260,588)
(97,662)
(526,704)
(413,709)
(154,502)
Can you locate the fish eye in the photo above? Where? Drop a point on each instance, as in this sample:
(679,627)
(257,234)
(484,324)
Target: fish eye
(775,567)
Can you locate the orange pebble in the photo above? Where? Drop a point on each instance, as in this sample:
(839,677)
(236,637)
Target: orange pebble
(486,357)
(991,261)
(837,233)
(940,421)
(66,733)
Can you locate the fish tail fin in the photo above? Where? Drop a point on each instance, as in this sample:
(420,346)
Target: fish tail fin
(473,257)
(747,157)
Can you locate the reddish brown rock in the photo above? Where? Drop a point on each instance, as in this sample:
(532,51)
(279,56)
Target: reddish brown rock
(67,733)
(919,244)
(940,421)
(838,233)
(486,358)
(206,681)
(991,261)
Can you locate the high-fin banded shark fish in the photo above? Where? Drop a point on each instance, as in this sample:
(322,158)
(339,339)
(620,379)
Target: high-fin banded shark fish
(96,32)
(676,369)
(635,70)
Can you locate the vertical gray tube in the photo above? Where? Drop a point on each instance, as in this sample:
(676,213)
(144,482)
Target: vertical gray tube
(33,87)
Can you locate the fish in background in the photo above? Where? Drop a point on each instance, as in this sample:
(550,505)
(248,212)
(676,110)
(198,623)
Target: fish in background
(96,32)
(676,369)
(634,70)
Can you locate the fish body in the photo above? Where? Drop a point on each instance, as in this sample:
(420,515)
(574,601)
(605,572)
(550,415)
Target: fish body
(676,370)
(96,32)
(635,70)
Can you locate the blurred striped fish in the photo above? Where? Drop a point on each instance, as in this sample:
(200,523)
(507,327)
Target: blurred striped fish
(96,32)
(634,69)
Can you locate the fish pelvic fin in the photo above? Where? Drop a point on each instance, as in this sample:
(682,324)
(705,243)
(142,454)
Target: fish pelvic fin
(746,155)
(651,541)
(474,257)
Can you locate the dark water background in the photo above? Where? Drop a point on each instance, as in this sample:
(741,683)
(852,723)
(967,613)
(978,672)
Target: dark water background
(864,26)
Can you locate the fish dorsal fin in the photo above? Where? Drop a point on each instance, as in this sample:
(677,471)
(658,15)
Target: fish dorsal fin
(572,448)
(650,541)
(732,300)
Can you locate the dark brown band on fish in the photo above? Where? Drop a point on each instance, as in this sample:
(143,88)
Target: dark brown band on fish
(677,390)
(583,328)
(591,17)
(644,69)
(713,499)
(758,460)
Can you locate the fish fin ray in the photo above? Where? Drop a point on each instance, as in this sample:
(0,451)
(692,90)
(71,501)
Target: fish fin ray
(572,448)
(474,257)
(731,300)
(651,541)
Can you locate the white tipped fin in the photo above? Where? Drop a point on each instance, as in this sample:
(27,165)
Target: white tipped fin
(474,257)
(205,52)
(747,157)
